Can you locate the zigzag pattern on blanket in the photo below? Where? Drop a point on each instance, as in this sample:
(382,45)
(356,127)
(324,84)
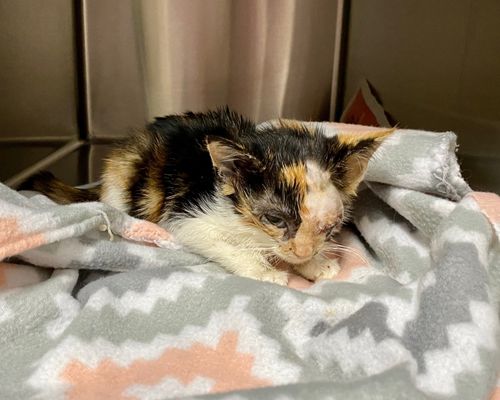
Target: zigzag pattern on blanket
(414,311)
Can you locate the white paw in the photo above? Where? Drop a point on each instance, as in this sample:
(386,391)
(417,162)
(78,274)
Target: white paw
(274,276)
(319,269)
(328,271)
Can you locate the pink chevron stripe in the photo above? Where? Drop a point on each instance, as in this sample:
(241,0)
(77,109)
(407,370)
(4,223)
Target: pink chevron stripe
(224,364)
(13,241)
(489,204)
(147,232)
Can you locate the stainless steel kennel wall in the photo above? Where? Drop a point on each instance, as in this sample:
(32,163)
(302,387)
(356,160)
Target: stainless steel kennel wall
(71,83)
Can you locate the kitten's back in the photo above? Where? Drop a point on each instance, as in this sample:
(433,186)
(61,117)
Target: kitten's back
(167,169)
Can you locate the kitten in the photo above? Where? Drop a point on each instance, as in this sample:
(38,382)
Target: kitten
(243,196)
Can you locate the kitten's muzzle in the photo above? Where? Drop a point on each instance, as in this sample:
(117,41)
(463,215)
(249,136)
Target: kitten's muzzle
(299,249)
(293,259)
(303,251)
(297,255)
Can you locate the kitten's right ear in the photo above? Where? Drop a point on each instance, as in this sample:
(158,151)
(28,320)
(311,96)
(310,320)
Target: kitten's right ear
(356,149)
(229,158)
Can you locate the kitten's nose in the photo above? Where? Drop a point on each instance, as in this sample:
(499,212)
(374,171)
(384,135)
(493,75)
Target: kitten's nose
(303,250)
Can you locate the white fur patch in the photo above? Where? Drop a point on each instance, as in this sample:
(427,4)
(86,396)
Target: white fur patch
(115,196)
(219,233)
(322,199)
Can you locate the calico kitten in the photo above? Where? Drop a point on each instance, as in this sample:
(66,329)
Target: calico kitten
(243,196)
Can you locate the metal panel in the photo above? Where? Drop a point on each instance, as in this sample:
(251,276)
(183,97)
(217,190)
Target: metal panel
(434,64)
(116,99)
(37,69)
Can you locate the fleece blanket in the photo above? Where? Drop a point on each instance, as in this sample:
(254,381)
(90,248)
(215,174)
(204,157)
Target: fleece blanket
(95,304)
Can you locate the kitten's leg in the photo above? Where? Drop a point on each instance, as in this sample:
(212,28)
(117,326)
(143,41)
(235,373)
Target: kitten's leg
(209,242)
(318,268)
(245,263)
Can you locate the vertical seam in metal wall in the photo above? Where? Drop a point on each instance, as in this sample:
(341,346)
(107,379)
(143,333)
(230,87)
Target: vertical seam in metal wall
(82,71)
(339,58)
(83,88)
(138,19)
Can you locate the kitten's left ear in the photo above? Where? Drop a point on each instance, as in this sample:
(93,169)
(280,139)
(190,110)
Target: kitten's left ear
(357,149)
(230,159)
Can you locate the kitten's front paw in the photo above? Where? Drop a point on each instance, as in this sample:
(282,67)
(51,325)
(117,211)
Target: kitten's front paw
(274,276)
(319,269)
(328,271)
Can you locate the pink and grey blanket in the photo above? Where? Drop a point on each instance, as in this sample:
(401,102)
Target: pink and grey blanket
(95,304)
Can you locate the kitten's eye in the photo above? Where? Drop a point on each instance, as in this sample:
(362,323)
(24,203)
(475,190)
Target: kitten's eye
(278,222)
(334,229)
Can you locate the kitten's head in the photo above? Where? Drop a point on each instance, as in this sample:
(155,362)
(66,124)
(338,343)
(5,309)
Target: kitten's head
(292,183)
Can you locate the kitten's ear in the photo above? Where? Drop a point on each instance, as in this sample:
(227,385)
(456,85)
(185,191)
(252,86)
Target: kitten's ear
(230,159)
(357,149)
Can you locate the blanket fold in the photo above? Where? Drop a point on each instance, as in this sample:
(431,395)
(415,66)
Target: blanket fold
(128,314)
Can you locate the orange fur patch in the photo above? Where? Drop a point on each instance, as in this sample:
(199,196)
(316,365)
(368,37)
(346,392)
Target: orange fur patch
(119,170)
(227,189)
(153,198)
(152,201)
(357,163)
(295,176)
(293,124)
(352,139)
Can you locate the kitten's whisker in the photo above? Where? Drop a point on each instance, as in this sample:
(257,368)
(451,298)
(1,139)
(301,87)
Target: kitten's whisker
(346,251)
(273,259)
(337,247)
